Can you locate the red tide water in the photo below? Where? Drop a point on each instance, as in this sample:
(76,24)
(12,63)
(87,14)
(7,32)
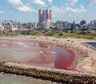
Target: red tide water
(64,59)
(36,53)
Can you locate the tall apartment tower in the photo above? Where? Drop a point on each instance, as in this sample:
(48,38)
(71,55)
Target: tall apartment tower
(45,18)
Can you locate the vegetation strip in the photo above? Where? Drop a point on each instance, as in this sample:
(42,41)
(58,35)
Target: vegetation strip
(56,75)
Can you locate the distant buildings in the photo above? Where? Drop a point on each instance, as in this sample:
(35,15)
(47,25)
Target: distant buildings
(35,25)
(83,25)
(1,28)
(92,25)
(61,25)
(27,26)
(45,18)
(65,25)
(17,26)
(45,21)
(7,26)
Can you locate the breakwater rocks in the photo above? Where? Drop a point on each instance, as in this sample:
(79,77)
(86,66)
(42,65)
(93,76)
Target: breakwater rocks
(56,75)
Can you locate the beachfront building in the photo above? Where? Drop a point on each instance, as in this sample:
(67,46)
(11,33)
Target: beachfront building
(45,19)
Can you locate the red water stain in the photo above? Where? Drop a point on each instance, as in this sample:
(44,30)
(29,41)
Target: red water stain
(64,60)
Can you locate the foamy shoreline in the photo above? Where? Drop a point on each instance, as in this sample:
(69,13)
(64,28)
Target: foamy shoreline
(85,57)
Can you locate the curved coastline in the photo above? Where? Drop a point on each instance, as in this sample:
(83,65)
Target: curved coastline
(82,53)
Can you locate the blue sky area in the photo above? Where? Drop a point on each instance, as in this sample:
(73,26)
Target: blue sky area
(66,10)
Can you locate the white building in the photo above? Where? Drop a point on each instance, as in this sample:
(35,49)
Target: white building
(1,28)
(14,27)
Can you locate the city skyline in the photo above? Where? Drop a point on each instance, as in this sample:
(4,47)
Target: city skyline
(66,10)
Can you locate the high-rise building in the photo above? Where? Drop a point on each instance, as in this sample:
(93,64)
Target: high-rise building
(45,18)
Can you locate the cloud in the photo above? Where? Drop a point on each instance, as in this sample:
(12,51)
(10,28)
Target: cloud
(40,2)
(50,1)
(93,2)
(2,12)
(79,10)
(69,10)
(57,11)
(67,13)
(19,5)
(72,2)
(37,3)
(27,7)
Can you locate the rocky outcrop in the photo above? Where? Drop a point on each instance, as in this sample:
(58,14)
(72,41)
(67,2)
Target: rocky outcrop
(56,75)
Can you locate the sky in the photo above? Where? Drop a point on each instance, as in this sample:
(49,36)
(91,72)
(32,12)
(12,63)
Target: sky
(65,10)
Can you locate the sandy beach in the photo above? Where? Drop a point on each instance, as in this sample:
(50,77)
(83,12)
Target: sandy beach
(85,57)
